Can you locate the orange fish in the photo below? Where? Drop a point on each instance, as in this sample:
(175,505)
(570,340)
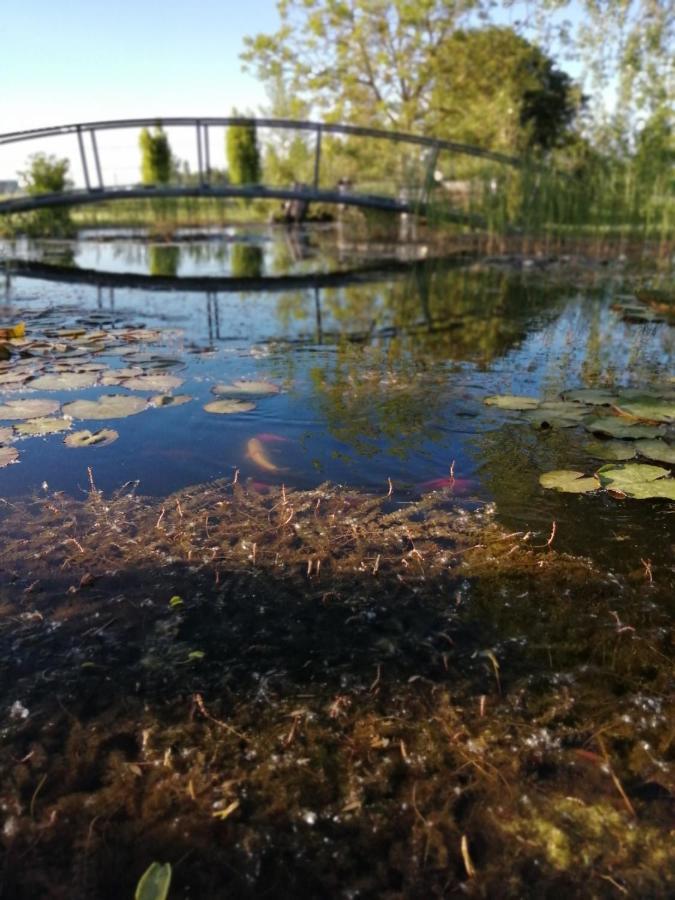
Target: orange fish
(255,451)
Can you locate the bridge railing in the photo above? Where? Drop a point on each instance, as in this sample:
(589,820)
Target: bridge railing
(104,156)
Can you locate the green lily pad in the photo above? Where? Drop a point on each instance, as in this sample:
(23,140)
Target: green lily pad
(614,426)
(6,435)
(569,481)
(639,481)
(652,410)
(591,396)
(612,450)
(658,450)
(161,400)
(154,883)
(27,409)
(8,455)
(249,388)
(161,383)
(511,401)
(63,381)
(110,406)
(45,425)
(86,438)
(229,406)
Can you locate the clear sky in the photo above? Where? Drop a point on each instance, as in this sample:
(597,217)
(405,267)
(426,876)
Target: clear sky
(80,60)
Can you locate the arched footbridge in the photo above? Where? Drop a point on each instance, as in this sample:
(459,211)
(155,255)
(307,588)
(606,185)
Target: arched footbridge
(97,170)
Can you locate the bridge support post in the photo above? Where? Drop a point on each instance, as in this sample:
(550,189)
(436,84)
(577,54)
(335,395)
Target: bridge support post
(317,158)
(83,157)
(97,161)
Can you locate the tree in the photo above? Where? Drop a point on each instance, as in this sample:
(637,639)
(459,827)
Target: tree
(47,174)
(243,156)
(412,66)
(496,89)
(156,161)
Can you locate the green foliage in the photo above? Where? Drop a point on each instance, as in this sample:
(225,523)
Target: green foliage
(246,261)
(243,156)
(156,161)
(47,174)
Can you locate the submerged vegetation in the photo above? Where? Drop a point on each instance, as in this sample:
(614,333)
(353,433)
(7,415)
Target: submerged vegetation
(322,689)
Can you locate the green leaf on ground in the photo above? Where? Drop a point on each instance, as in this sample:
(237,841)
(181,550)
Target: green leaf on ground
(569,481)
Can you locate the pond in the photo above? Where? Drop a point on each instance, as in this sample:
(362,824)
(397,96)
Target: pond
(275,571)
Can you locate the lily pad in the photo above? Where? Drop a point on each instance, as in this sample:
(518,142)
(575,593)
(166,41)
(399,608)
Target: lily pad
(545,418)
(569,481)
(652,410)
(613,450)
(44,425)
(86,438)
(110,406)
(512,401)
(614,426)
(161,383)
(27,409)
(590,396)
(638,480)
(658,450)
(62,381)
(6,435)
(250,388)
(160,400)
(229,406)
(8,455)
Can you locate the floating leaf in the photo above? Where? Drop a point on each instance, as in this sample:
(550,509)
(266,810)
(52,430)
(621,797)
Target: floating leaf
(250,388)
(546,418)
(616,427)
(569,481)
(160,400)
(27,409)
(154,883)
(229,406)
(652,410)
(62,381)
(110,406)
(44,425)
(8,455)
(6,435)
(161,383)
(639,481)
(512,401)
(658,450)
(86,438)
(614,450)
(591,396)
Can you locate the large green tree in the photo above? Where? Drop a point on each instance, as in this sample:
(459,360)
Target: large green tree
(156,161)
(414,67)
(243,156)
(47,174)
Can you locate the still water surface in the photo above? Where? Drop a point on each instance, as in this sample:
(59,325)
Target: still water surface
(379,380)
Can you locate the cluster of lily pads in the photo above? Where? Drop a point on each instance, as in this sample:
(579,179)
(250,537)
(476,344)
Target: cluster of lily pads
(626,424)
(68,359)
